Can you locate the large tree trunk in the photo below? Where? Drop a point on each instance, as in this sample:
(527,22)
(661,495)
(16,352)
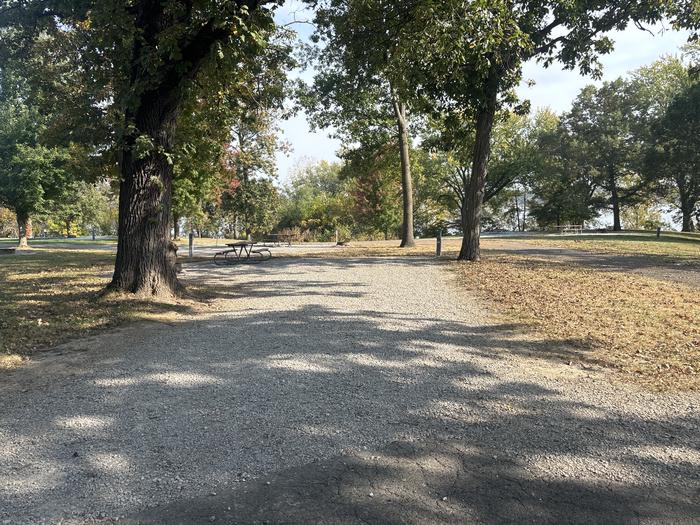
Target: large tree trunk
(615,201)
(142,266)
(474,192)
(24,229)
(687,220)
(407,239)
(687,207)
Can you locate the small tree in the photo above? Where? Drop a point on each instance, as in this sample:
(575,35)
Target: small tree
(30,174)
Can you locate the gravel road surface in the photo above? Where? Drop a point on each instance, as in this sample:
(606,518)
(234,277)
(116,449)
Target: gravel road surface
(337,391)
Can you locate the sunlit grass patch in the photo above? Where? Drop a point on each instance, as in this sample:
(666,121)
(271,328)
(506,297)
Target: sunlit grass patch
(644,328)
(10,361)
(50,296)
(685,246)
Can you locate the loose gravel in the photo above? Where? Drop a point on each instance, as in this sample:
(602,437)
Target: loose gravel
(376,366)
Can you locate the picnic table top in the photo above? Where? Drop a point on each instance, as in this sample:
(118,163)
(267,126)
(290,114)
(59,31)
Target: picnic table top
(241,243)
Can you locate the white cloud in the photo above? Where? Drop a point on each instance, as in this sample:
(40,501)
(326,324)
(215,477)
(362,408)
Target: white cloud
(557,88)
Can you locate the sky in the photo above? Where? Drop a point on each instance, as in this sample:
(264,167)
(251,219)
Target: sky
(553,87)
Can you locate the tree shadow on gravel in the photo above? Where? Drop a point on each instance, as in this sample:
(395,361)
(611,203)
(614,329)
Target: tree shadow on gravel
(276,277)
(425,482)
(352,417)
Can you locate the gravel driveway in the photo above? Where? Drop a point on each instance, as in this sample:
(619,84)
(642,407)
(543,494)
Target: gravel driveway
(337,391)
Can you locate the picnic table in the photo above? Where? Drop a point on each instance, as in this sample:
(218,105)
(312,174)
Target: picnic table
(278,239)
(570,228)
(242,252)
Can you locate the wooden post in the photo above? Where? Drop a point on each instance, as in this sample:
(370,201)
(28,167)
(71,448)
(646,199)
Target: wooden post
(658,232)
(438,247)
(191,243)
(337,237)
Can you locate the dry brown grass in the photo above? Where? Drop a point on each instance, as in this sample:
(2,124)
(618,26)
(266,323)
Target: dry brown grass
(645,329)
(10,361)
(670,245)
(386,249)
(51,296)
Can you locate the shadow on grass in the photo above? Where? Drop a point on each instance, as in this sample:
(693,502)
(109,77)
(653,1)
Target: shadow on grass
(51,296)
(662,268)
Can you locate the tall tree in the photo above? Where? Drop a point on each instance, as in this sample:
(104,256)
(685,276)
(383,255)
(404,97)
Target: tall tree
(465,58)
(231,130)
(375,188)
(661,94)
(31,174)
(355,90)
(676,152)
(138,60)
(602,125)
(564,188)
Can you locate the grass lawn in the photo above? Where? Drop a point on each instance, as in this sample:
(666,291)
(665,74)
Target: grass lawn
(8,243)
(50,296)
(644,328)
(684,246)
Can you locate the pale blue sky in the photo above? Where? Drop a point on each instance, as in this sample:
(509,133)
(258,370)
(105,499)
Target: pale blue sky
(553,86)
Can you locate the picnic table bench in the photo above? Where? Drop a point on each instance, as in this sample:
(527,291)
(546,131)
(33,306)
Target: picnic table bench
(7,251)
(242,252)
(570,228)
(278,239)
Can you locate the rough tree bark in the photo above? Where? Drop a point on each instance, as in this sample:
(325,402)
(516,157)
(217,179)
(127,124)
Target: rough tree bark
(615,201)
(474,192)
(24,229)
(407,238)
(143,266)
(687,218)
(145,193)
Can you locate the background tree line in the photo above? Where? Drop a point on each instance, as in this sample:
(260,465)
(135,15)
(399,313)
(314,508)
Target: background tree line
(174,105)
(624,155)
